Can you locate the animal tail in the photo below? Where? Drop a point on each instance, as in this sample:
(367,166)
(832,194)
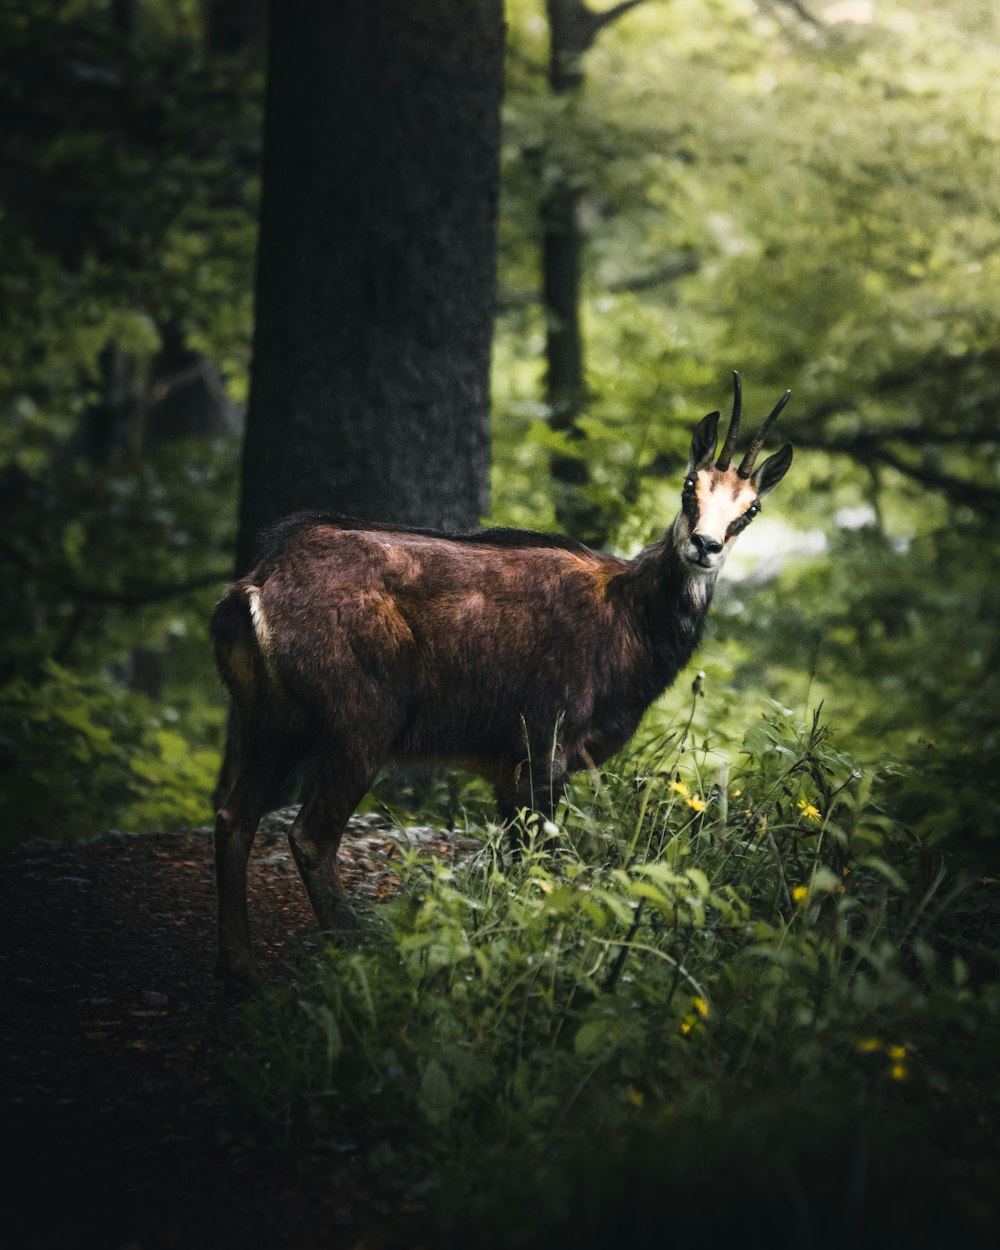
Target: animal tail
(238,634)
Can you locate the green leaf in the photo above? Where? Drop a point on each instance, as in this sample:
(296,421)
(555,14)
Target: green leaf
(879,865)
(594,1036)
(826,881)
(661,872)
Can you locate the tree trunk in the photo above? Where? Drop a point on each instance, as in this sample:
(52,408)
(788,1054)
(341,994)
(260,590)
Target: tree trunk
(573,27)
(562,246)
(565,390)
(186,396)
(562,263)
(110,427)
(376,263)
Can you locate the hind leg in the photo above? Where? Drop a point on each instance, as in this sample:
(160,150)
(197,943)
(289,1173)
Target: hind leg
(315,840)
(235,826)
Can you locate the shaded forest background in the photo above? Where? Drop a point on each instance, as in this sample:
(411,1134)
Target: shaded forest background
(808,195)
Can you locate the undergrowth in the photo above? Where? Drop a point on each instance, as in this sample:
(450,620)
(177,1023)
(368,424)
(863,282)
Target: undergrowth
(735,1000)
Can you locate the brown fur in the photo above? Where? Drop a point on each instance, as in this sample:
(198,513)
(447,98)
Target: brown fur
(527,656)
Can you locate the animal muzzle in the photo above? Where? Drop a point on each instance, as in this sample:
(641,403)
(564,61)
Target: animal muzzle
(703,551)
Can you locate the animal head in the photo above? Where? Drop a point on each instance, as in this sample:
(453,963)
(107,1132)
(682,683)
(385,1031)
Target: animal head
(719,501)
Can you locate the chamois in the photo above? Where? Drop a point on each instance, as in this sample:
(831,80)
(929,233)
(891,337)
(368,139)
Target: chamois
(523,656)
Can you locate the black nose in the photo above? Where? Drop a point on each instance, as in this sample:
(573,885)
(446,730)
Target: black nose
(706,546)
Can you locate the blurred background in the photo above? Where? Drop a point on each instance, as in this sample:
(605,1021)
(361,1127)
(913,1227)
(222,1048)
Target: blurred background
(806,193)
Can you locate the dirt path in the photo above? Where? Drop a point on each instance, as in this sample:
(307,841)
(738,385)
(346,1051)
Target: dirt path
(116,1134)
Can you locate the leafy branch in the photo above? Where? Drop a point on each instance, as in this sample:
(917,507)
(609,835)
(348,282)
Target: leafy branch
(136,597)
(675,266)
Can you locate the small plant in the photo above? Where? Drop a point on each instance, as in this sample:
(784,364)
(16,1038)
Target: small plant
(741,946)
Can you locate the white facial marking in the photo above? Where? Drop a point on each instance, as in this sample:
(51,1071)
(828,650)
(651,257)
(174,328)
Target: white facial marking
(722,499)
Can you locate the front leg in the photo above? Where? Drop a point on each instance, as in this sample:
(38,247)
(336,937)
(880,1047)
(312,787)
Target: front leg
(521,788)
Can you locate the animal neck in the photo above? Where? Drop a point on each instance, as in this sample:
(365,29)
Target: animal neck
(671,604)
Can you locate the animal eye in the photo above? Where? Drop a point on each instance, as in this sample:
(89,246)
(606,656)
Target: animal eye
(753,510)
(689,483)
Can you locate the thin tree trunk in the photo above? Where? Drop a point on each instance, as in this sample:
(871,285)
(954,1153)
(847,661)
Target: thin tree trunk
(565,389)
(110,428)
(573,26)
(562,262)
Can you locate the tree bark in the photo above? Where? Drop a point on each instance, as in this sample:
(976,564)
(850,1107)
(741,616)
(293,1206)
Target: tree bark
(376,263)
(565,387)
(562,261)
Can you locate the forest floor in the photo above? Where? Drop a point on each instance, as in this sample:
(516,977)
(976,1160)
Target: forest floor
(119,1126)
(116,1125)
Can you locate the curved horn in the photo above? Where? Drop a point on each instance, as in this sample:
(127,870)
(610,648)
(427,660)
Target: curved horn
(734,425)
(746,465)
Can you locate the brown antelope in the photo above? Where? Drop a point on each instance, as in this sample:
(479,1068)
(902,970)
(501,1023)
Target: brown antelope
(523,656)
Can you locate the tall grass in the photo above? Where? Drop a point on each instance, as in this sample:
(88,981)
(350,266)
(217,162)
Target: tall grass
(738,999)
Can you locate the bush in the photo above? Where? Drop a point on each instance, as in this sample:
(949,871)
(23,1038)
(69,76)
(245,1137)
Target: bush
(737,965)
(78,755)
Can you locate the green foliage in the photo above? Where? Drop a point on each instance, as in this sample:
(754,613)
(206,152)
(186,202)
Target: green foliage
(128,219)
(111,558)
(835,184)
(834,180)
(130,206)
(110,709)
(79,755)
(760,987)
(899,640)
(781,930)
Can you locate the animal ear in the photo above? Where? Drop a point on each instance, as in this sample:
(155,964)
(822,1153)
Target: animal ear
(772,470)
(704,440)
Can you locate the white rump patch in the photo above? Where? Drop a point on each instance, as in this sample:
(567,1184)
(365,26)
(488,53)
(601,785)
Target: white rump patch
(261,628)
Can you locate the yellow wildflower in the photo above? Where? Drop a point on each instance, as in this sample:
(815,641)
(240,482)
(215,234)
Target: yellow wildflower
(700,1006)
(898,1071)
(800,893)
(867,1044)
(636,1097)
(809,810)
(678,787)
(896,1053)
(735,793)
(696,803)
(685,1026)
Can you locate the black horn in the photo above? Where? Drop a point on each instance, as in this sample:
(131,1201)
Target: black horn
(734,425)
(747,463)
